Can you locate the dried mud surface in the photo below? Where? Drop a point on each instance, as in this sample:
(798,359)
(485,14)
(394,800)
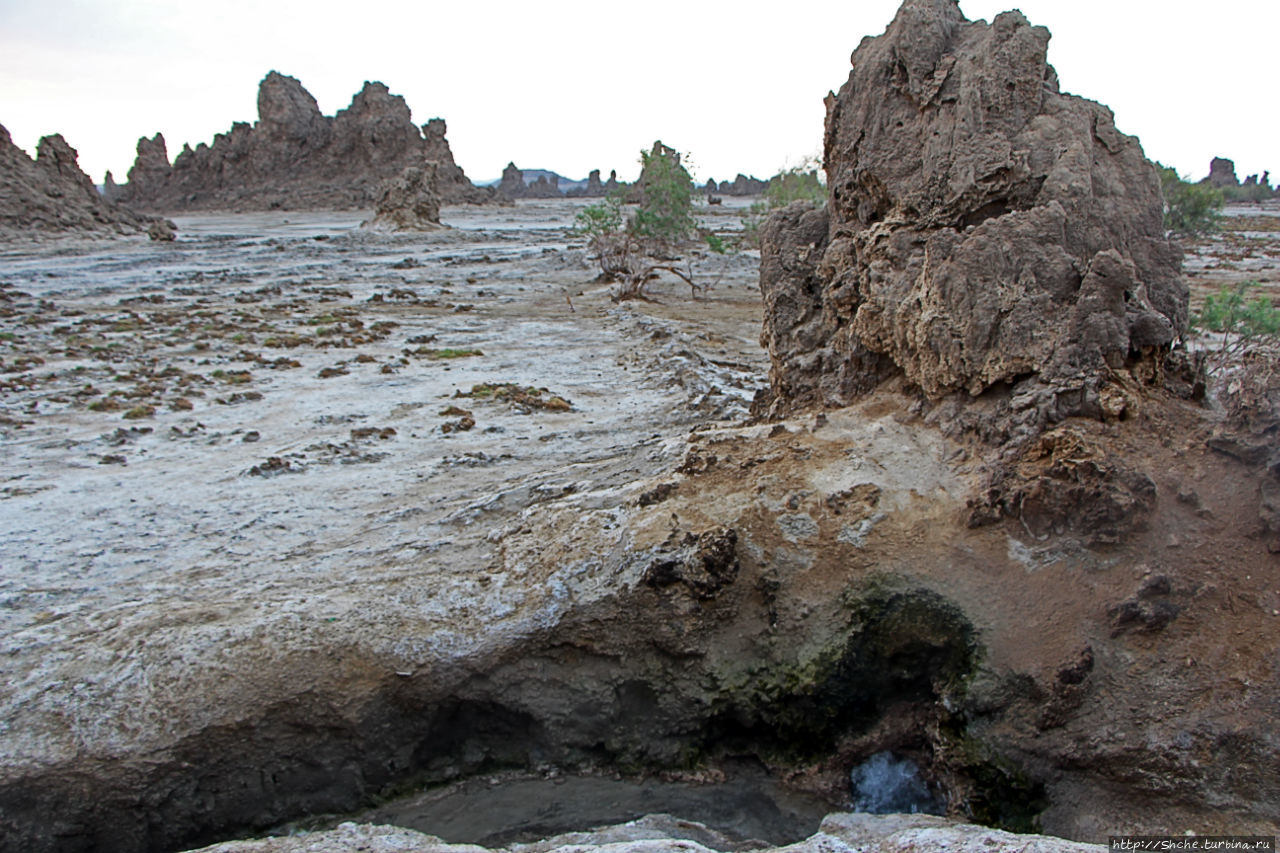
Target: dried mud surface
(269,403)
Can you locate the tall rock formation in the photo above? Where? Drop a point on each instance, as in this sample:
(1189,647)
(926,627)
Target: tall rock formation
(512,184)
(984,231)
(452,183)
(1222,173)
(295,157)
(52,195)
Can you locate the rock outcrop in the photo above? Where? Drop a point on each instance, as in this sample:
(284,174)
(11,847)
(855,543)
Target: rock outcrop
(1222,173)
(453,184)
(408,202)
(546,184)
(51,195)
(295,157)
(743,185)
(512,184)
(1222,176)
(985,232)
(594,188)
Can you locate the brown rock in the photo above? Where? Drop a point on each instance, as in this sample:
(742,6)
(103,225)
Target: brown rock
(295,157)
(51,194)
(984,228)
(743,185)
(1222,173)
(409,202)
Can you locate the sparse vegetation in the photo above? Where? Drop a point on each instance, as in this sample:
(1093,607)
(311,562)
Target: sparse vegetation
(1254,189)
(632,251)
(1245,324)
(666,198)
(1189,208)
(522,396)
(796,183)
(799,183)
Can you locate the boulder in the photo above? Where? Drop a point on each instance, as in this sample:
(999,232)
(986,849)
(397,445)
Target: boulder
(984,231)
(408,202)
(295,157)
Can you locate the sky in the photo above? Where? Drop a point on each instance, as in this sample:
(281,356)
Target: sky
(571,86)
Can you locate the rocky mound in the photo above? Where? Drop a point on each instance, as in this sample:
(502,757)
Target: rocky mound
(409,202)
(985,232)
(52,195)
(294,157)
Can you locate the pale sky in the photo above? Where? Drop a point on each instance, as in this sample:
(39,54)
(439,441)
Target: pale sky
(570,86)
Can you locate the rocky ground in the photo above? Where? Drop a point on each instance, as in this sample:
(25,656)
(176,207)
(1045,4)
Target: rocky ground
(661,833)
(295,516)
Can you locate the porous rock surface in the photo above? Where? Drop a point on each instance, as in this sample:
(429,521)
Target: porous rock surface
(839,833)
(984,230)
(51,195)
(294,157)
(408,202)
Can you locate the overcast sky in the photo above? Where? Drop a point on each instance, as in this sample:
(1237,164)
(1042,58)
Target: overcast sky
(571,86)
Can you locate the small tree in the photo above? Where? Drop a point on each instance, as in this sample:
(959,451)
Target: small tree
(1189,208)
(666,198)
(632,253)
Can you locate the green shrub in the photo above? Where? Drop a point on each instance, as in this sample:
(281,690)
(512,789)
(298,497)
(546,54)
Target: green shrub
(1189,208)
(1244,323)
(795,184)
(1249,192)
(599,220)
(666,198)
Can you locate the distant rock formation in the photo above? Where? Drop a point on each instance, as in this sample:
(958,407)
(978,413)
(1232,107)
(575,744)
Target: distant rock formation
(739,186)
(515,184)
(295,157)
(1222,176)
(512,184)
(409,201)
(593,189)
(1222,173)
(743,185)
(984,232)
(543,188)
(52,195)
(110,190)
